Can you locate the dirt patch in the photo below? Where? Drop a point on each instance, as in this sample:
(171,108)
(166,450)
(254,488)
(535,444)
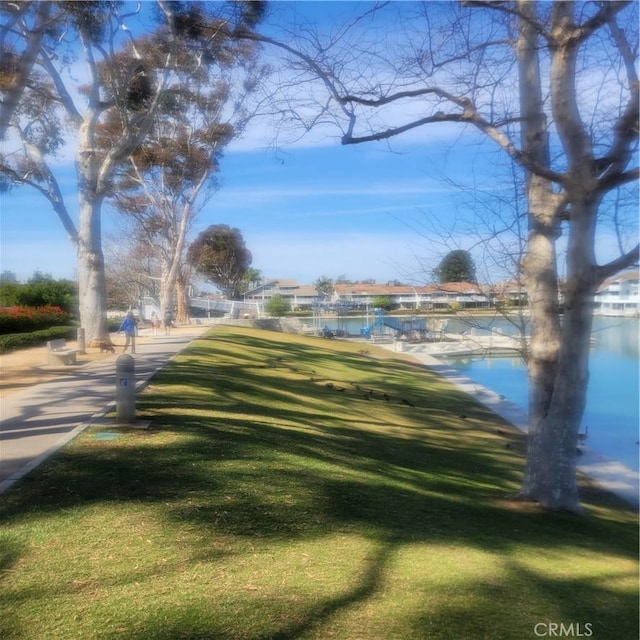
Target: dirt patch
(27,367)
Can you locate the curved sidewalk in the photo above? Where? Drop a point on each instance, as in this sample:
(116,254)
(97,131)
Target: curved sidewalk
(35,423)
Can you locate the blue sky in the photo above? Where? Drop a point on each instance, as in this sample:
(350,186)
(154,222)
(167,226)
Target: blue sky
(308,210)
(311,210)
(304,212)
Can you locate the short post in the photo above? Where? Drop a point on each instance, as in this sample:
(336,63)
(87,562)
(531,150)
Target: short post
(82,347)
(125,389)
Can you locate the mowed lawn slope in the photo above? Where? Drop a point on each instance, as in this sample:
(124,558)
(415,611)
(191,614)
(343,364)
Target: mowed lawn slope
(294,487)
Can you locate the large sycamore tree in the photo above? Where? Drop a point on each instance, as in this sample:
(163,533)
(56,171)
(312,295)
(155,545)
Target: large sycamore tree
(70,69)
(554,85)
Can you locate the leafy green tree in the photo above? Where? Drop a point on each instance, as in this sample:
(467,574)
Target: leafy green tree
(381,302)
(220,255)
(456,266)
(39,291)
(8,276)
(324,286)
(8,293)
(251,279)
(277,306)
(42,290)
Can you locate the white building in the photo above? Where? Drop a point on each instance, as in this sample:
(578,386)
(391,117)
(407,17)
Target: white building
(299,296)
(363,295)
(619,296)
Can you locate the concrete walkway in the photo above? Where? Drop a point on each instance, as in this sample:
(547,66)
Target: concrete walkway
(38,421)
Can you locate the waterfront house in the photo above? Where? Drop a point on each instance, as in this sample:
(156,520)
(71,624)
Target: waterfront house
(363,295)
(299,296)
(463,295)
(348,295)
(509,293)
(619,296)
(451,295)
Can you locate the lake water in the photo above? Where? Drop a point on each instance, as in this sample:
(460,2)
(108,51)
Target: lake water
(612,412)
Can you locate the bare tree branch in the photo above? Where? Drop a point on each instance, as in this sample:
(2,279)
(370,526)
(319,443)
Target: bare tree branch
(629,259)
(13,92)
(51,191)
(625,129)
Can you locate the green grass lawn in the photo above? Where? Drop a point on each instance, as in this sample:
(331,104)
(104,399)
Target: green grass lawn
(293,487)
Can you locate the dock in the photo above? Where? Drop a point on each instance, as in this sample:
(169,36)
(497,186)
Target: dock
(456,344)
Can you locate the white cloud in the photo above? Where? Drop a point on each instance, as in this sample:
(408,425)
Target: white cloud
(293,207)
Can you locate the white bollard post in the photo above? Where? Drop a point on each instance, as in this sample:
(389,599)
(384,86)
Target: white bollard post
(125,389)
(82,347)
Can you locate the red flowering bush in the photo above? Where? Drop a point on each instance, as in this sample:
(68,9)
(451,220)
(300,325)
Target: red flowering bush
(25,319)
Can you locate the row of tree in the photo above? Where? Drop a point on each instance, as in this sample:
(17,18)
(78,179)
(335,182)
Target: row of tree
(219,255)
(149,123)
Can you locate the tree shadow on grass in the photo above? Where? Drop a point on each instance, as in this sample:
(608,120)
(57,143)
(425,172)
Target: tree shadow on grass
(230,477)
(307,616)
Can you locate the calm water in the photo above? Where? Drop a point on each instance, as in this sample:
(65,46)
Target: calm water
(612,413)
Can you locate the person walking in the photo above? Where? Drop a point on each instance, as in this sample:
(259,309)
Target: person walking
(155,321)
(168,322)
(129,327)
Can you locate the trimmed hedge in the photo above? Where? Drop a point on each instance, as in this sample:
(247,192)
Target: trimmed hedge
(18,319)
(13,341)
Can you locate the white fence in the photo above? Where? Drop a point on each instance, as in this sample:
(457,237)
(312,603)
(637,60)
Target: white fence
(230,308)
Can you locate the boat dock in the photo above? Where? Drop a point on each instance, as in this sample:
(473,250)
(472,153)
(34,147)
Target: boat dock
(456,344)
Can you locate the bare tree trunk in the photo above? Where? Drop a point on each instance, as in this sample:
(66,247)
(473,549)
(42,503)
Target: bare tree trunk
(166,290)
(548,452)
(544,352)
(92,290)
(182,300)
(559,357)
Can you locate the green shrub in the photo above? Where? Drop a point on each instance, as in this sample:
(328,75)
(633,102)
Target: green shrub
(42,290)
(8,293)
(277,306)
(381,302)
(13,341)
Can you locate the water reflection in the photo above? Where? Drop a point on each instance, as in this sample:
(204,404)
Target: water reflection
(617,335)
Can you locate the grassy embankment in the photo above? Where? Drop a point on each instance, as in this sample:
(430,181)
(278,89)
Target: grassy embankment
(279,494)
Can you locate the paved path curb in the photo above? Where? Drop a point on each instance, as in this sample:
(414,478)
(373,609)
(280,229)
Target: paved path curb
(37,422)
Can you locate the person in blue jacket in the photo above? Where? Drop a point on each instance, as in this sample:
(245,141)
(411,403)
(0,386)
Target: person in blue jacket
(129,328)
